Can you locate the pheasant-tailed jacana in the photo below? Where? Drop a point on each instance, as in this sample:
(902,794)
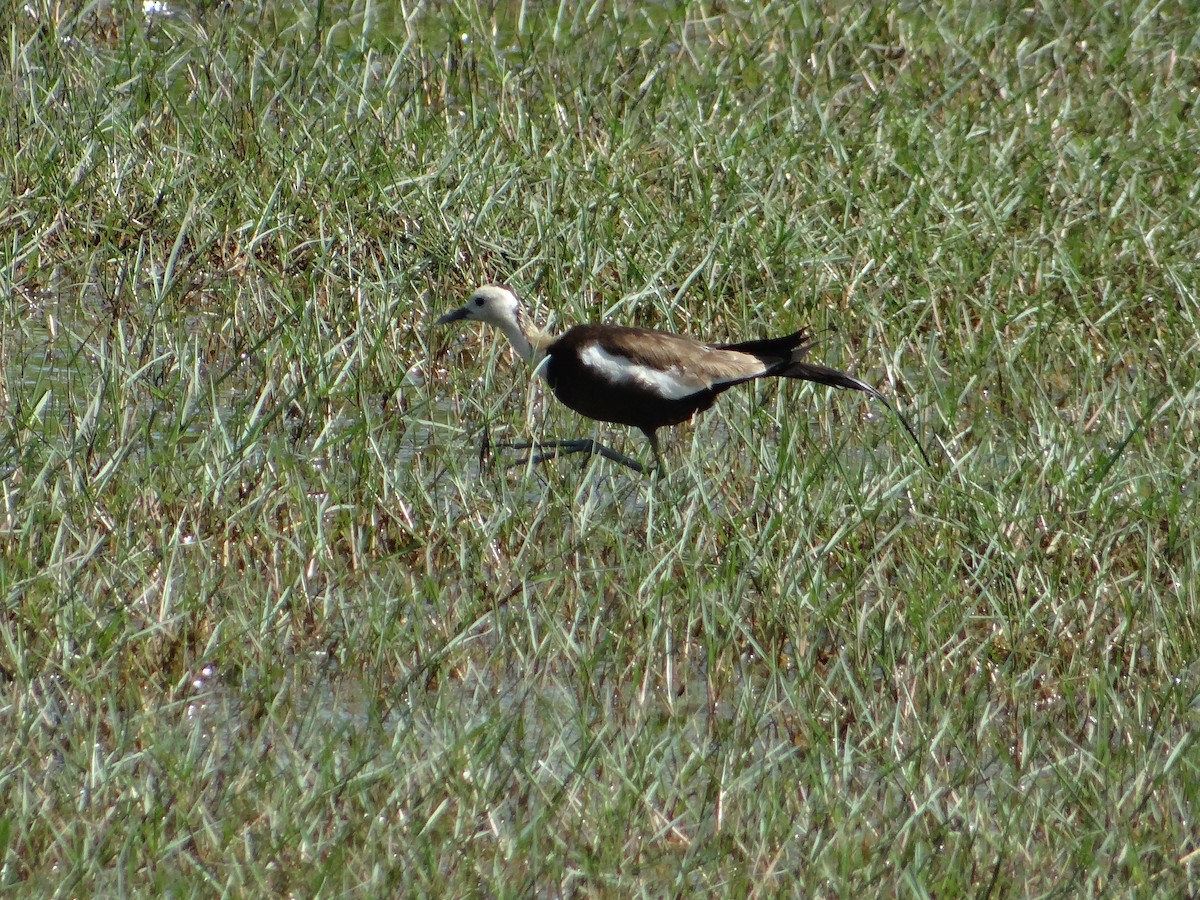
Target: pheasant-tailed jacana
(644,378)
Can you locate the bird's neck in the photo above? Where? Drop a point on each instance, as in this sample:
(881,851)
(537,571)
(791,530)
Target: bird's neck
(529,342)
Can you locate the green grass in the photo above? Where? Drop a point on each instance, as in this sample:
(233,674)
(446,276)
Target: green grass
(268,627)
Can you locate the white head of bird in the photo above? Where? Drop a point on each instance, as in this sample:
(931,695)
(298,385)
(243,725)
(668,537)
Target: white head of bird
(497,305)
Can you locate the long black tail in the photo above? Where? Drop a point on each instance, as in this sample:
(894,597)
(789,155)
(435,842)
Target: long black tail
(788,352)
(775,350)
(833,378)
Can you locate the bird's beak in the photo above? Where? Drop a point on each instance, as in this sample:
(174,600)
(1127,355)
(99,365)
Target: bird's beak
(454,316)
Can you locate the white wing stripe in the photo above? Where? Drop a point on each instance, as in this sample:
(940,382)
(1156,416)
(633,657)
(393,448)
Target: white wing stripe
(670,385)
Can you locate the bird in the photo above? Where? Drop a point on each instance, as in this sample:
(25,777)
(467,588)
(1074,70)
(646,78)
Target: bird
(644,378)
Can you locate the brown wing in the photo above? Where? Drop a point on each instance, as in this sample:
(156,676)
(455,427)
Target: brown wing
(687,361)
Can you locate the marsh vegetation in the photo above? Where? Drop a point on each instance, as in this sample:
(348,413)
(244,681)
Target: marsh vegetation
(268,625)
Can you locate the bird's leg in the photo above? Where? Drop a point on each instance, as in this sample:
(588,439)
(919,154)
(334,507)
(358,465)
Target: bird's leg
(660,467)
(552,449)
(549,449)
(485,447)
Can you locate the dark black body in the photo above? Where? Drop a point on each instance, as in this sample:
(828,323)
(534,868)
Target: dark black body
(622,404)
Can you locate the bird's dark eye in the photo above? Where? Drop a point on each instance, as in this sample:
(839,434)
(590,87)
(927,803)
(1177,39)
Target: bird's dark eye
(479,301)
